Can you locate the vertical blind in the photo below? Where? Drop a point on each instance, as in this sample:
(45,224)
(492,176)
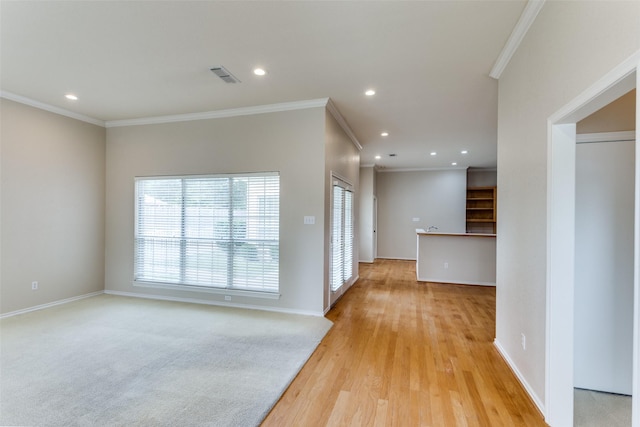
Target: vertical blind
(211,231)
(341,234)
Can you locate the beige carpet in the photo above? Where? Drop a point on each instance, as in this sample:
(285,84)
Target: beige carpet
(118,361)
(595,409)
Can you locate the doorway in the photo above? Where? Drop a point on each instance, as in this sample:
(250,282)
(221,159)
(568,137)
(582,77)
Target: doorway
(603,295)
(341,271)
(559,384)
(375,227)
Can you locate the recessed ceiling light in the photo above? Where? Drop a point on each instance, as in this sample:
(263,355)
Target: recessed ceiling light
(464,152)
(259,72)
(378,157)
(71,97)
(453,163)
(433,153)
(370,92)
(384,134)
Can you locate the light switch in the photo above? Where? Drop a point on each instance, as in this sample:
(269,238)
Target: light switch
(309,220)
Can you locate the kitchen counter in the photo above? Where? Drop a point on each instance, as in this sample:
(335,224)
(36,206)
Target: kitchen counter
(420,231)
(463,258)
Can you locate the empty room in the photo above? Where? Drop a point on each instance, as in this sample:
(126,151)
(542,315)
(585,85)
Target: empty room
(319,213)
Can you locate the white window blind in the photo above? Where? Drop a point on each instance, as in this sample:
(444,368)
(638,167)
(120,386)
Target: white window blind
(212,231)
(341,234)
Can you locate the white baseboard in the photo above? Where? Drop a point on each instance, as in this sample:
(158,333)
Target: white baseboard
(217,303)
(455,282)
(532,394)
(367,261)
(50,304)
(395,257)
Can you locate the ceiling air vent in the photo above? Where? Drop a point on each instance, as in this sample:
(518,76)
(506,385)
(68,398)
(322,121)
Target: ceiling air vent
(225,75)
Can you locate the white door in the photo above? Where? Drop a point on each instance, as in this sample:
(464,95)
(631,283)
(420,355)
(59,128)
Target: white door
(603,311)
(342,236)
(375,228)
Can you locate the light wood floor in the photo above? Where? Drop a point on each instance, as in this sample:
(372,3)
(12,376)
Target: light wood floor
(403,353)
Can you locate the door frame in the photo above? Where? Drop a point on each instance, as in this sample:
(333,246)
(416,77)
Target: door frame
(561,139)
(335,295)
(375,228)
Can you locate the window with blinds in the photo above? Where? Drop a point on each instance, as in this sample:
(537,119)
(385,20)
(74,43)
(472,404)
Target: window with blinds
(341,234)
(209,231)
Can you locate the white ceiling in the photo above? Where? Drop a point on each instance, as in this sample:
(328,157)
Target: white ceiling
(429,62)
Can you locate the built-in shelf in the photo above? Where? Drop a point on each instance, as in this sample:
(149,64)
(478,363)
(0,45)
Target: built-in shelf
(481,210)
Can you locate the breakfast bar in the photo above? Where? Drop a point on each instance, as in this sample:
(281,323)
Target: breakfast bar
(463,258)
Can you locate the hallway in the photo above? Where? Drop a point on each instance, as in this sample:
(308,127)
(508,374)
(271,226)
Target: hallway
(404,353)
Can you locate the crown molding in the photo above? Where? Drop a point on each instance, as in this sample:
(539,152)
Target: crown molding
(343,123)
(584,138)
(244,111)
(527,17)
(52,109)
(452,168)
(233,112)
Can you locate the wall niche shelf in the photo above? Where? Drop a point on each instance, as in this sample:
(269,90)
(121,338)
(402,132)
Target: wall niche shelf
(481,210)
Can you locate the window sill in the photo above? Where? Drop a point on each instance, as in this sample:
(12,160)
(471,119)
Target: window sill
(202,289)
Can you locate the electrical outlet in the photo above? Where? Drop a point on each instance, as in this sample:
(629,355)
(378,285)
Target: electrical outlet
(227,297)
(446,265)
(524,342)
(34,286)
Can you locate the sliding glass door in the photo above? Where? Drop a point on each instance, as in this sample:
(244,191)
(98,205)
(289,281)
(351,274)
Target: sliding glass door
(342,234)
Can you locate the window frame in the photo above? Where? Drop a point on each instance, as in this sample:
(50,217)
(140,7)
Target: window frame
(229,289)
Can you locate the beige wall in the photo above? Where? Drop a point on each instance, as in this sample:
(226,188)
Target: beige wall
(53,203)
(569,47)
(620,115)
(342,158)
(482,178)
(292,143)
(433,197)
(55,209)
